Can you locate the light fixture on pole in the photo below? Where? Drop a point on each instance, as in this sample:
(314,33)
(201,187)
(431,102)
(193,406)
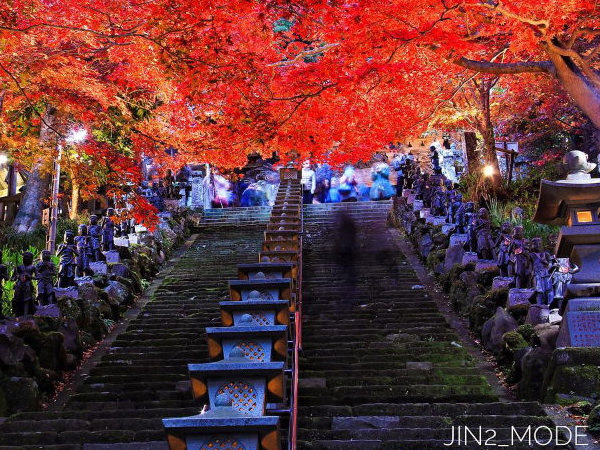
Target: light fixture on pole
(76,136)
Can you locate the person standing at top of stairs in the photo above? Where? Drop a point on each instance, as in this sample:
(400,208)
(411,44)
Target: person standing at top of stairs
(309,183)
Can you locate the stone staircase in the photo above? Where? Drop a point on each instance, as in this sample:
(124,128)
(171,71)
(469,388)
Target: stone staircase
(224,217)
(363,388)
(144,376)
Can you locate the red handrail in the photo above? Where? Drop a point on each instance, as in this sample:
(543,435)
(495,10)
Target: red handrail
(293,429)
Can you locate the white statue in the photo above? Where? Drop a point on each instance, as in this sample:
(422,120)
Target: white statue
(448,168)
(578,168)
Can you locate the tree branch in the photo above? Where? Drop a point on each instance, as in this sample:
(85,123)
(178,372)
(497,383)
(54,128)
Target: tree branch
(541,25)
(304,54)
(28,100)
(507,68)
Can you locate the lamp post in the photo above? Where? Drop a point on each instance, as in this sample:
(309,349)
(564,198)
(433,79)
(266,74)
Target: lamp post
(76,136)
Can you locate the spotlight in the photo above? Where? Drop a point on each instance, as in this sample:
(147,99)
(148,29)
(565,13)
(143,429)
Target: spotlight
(488,171)
(76,136)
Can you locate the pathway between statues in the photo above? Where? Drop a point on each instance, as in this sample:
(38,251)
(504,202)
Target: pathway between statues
(381,368)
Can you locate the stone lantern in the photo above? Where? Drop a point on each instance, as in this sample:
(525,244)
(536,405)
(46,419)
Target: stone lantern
(574,203)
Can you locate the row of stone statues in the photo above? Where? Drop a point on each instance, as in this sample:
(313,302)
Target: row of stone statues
(524,261)
(75,253)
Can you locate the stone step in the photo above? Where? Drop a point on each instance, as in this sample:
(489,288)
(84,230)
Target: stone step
(143,377)
(349,366)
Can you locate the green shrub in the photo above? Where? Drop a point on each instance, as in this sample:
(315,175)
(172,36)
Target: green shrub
(527,331)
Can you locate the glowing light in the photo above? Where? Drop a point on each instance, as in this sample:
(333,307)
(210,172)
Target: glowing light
(3,159)
(77,136)
(584,216)
(488,171)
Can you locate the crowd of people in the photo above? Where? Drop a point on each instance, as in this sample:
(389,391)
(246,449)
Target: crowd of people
(256,183)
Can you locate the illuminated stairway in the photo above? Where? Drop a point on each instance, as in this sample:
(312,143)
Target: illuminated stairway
(359,389)
(144,376)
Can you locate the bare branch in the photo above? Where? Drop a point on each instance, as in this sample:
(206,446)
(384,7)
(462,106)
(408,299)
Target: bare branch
(541,25)
(507,68)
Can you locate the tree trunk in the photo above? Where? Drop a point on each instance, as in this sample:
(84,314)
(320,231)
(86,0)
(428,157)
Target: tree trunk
(473,163)
(29,215)
(580,89)
(74,199)
(489,153)
(486,128)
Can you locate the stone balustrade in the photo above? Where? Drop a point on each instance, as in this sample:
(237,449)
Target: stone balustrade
(252,375)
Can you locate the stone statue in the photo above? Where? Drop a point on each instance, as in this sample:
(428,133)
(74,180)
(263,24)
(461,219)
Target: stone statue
(454,207)
(503,247)
(578,168)
(449,196)
(419,186)
(45,272)
(94,232)
(438,198)
(470,219)
(541,261)
(158,195)
(125,223)
(483,231)
(464,215)
(84,250)
(23,276)
(68,261)
(519,258)
(108,231)
(561,277)
(119,232)
(435,160)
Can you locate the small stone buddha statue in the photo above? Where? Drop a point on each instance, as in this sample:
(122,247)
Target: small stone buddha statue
(578,168)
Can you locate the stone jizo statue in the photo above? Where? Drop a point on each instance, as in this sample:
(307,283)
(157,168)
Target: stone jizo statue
(541,261)
(519,258)
(45,272)
(68,261)
(503,249)
(438,199)
(561,277)
(84,250)
(108,231)
(483,232)
(23,277)
(464,214)
(454,208)
(419,187)
(95,233)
